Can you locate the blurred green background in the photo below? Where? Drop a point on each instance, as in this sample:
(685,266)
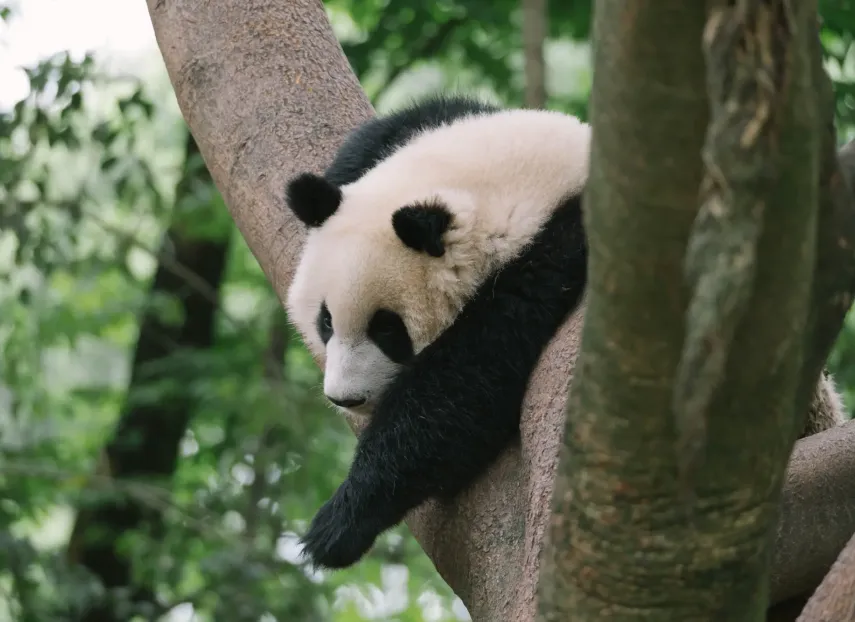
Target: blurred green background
(134,323)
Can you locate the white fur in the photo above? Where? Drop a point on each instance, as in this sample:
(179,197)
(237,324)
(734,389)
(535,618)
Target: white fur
(827,408)
(501,174)
(356,368)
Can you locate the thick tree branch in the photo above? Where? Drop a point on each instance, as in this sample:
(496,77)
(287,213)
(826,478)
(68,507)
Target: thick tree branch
(267,93)
(818,502)
(818,475)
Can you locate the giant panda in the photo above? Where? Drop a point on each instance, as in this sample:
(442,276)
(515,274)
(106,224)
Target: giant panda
(445,248)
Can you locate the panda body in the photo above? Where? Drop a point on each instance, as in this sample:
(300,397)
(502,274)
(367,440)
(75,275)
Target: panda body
(445,249)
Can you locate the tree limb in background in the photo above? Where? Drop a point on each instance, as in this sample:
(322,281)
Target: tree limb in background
(147,438)
(268,93)
(535,22)
(426,49)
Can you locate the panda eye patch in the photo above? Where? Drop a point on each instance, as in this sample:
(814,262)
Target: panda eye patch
(387,330)
(324,323)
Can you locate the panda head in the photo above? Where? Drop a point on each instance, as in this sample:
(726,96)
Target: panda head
(393,254)
(381,275)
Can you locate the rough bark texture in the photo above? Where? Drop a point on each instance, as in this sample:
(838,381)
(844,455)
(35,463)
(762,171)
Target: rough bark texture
(268,93)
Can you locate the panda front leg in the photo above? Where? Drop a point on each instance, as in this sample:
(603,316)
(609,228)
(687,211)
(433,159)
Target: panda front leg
(346,526)
(437,429)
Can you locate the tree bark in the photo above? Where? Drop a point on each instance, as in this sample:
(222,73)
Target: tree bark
(706,328)
(835,598)
(816,512)
(268,93)
(535,25)
(147,437)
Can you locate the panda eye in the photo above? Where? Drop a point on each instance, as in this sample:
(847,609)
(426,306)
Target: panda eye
(324,323)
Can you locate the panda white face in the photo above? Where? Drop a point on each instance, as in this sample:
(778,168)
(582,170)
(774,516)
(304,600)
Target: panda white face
(366,304)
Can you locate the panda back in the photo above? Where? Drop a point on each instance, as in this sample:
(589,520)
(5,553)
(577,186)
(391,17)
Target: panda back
(378,138)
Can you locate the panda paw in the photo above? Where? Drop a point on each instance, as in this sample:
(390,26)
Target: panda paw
(340,533)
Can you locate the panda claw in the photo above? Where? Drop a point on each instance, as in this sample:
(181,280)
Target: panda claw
(338,537)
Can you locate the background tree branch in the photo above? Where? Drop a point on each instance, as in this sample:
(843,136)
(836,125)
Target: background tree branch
(146,441)
(268,93)
(535,24)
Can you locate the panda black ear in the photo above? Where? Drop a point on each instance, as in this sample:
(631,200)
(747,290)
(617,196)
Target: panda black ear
(422,225)
(312,198)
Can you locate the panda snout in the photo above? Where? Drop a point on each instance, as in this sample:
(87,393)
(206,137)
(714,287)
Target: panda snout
(348,402)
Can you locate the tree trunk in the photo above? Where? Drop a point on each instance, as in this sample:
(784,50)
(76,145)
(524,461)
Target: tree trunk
(146,441)
(706,329)
(268,93)
(535,26)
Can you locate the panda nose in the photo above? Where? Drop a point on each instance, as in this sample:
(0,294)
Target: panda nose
(347,402)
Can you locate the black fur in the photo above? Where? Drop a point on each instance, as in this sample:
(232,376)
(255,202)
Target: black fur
(388,331)
(451,412)
(378,137)
(312,198)
(422,226)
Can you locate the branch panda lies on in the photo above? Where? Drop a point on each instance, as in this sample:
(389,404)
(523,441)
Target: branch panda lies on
(445,249)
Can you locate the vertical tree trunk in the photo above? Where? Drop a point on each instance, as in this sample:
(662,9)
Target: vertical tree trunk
(147,437)
(534,31)
(699,348)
